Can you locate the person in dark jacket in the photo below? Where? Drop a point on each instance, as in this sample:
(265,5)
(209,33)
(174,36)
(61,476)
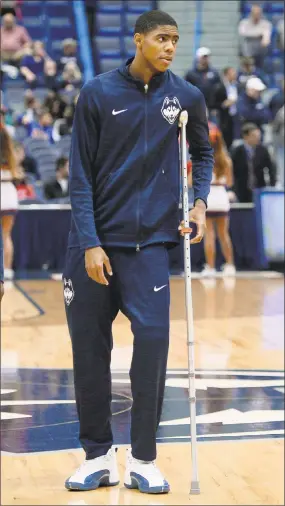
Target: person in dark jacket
(250,107)
(204,76)
(124,193)
(252,164)
(59,188)
(225,101)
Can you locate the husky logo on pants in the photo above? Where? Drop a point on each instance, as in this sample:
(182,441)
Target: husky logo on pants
(171,109)
(68,291)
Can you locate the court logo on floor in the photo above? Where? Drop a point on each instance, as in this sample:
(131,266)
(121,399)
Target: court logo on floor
(38,411)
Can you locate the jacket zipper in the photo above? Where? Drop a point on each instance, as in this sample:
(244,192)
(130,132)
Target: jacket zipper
(145,153)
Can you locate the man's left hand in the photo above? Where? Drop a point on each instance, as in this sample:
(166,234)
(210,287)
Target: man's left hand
(196,215)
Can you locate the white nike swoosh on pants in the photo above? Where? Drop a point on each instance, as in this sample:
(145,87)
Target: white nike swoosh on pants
(118,112)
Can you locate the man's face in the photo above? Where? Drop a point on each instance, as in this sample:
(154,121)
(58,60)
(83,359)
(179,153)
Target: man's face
(255,94)
(69,50)
(231,75)
(256,13)
(204,62)
(158,46)
(254,137)
(8,21)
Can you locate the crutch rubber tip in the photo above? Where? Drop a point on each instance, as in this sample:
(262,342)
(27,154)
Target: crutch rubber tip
(195,488)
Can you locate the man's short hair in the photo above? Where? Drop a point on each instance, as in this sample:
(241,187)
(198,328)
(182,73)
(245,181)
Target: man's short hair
(60,163)
(247,60)
(69,42)
(247,128)
(150,20)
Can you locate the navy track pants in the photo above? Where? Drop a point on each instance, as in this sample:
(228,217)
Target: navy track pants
(139,288)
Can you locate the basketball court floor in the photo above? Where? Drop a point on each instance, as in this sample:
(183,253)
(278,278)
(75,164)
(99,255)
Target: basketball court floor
(239,352)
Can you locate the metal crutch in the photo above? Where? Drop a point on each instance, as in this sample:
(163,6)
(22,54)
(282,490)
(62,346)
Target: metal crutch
(195,487)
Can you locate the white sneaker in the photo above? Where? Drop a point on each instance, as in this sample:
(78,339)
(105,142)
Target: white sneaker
(101,471)
(229,270)
(8,274)
(145,476)
(208,272)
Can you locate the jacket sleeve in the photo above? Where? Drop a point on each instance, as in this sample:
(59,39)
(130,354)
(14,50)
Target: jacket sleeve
(201,152)
(84,143)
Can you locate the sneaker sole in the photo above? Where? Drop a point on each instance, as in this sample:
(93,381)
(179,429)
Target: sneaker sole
(136,483)
(103,481)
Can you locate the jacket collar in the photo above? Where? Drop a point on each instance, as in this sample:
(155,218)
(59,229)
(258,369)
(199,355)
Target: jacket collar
(155,82)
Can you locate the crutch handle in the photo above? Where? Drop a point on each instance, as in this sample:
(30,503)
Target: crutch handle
(185,230)
(183,119)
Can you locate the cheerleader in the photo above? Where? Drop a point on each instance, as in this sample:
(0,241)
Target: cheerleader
(217,218)
(9,199)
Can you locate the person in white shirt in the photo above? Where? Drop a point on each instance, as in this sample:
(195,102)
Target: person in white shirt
(255,35)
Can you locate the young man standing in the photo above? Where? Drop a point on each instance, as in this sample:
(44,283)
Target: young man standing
(124,190)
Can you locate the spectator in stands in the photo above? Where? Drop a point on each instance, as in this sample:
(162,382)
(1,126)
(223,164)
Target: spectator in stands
(59,188)
(9,199)
(71,76)
(225,101)
(55,104)
(69,47)
(8,6)
(51,79)
(25,163)
(11,6)
(277,101)
(280,33)
(204,76)
(15,40)
(32,65)
(252,164)
(247,70)
(32,108)
(43,127)
(278,142)
(250,107)
(255,35)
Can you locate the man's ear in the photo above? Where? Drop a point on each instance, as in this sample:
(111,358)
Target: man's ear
(138,40)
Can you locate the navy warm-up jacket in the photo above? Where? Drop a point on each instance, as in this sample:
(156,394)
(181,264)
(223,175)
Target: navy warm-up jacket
(124,159)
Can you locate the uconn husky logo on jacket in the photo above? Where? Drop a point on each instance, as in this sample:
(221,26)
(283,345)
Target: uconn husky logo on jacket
(171,109)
